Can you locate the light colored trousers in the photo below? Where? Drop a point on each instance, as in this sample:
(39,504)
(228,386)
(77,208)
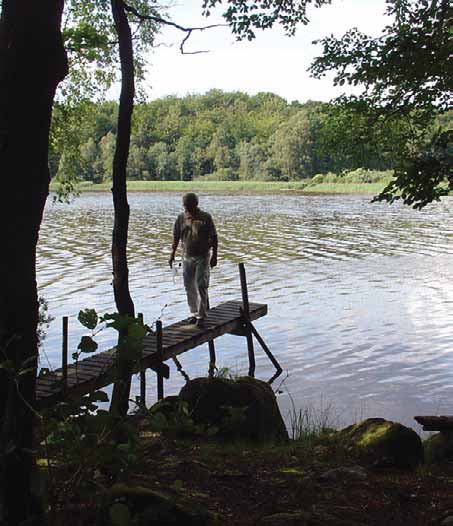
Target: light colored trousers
(196,270)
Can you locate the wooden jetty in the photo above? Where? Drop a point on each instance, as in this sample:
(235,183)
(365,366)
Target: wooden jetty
(166,343)
(444,424)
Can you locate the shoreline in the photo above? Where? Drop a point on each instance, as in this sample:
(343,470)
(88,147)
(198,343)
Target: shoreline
(238,187)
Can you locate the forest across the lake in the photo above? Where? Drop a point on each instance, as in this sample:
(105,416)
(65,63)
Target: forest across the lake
(233,136)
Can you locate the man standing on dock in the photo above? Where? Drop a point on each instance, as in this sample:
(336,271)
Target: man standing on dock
(196,230)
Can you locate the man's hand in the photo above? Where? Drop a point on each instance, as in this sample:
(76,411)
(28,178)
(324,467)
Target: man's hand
(171,259)
(213,261)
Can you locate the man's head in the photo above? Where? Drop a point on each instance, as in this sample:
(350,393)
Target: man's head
(190,202)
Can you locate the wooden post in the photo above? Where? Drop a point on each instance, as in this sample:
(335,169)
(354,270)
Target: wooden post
(64,355)
(212,357)
(246,309)
(265,347)
(142,372)
(160,378)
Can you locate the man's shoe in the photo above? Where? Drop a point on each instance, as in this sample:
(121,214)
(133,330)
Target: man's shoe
(191,321)
(200,323)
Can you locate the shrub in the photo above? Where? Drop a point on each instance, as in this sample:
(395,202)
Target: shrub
(331,178)
(362,175)
(317,179)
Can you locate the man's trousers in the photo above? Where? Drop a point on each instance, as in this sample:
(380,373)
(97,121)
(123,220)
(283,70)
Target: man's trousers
(196,272)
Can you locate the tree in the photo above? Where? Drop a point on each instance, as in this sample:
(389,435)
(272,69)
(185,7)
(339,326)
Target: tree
(31,51)
(407,71)
(184,158)
(293,147)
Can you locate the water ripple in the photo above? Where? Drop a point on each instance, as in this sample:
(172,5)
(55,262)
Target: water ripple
(359,295)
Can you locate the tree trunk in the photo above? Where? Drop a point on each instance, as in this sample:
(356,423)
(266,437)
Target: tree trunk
(32,63)
(124,304)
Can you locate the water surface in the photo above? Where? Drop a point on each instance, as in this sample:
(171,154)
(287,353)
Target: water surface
(360,295)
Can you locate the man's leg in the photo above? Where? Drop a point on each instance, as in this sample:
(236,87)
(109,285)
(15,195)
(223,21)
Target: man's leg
(190,284)
(202,279)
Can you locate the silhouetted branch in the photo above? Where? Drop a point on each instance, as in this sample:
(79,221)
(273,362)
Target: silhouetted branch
(163,21)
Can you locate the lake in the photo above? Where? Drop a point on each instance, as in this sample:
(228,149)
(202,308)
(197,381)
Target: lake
(360,295)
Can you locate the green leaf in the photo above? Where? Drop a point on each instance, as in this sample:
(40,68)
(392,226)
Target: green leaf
(87,344)
(117,321)
(119,514)
(88,318)
(137,331)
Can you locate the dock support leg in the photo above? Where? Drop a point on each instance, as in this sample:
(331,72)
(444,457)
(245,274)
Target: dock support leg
(265,348)
(212,357)
(142,374)
(64,356)
(160,378)
(246,309)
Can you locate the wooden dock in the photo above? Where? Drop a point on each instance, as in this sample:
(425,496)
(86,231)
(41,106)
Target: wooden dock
(97,371)
(436,423)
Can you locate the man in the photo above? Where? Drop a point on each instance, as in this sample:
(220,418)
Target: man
(196,230)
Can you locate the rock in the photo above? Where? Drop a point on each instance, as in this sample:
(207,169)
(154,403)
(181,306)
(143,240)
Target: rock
(148,507)
(243,408)
(353,473)
(168,406)
(387,443)
(439,447)
(298,518)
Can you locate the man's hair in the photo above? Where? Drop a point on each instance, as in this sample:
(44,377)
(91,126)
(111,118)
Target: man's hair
(190,198)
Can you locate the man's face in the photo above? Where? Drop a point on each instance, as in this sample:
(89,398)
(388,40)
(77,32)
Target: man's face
(189,205)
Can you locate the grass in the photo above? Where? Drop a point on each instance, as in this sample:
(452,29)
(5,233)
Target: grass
(238,187)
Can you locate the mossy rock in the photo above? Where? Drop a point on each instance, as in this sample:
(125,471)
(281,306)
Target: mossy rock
(143,506)
(382,442)
(439,447)
(245,408)
(168,406)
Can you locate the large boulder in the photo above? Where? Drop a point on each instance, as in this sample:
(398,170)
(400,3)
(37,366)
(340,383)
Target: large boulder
(243,408)
(386,443)
(439,447)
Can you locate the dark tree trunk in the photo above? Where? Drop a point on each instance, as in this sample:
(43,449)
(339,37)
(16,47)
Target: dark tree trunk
(123,300)
(32,63)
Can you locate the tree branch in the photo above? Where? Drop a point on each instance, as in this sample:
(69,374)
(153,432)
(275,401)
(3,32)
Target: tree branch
(163,21)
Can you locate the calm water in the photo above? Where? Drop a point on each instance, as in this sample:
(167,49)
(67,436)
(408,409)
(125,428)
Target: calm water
(360,296)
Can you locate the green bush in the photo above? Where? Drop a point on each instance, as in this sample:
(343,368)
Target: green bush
(222,174)
(362,175)
(317,179)
(331,178)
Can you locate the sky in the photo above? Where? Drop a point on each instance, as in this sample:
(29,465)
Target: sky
(272,62)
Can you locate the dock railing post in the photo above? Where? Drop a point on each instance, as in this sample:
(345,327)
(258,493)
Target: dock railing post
(160,378)
(64,356)
(246,311)
(142,372)
(212,357)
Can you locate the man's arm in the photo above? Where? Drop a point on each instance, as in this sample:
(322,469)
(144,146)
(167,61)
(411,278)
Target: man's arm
(214,244)
(176,238)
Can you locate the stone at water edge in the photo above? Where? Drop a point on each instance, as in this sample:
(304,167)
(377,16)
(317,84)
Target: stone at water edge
(381,441)
(243,408)
(439,447)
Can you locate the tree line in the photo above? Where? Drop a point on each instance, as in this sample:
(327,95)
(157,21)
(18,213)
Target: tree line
(231,136)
